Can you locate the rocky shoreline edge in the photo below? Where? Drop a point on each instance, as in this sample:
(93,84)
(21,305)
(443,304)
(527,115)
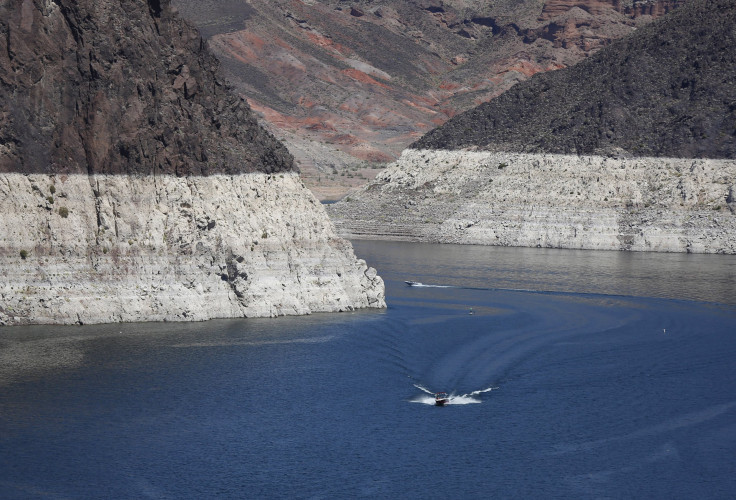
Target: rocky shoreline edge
(79,249)
(549,201)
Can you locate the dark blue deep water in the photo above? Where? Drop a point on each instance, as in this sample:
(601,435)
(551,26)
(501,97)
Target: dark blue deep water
(577,375)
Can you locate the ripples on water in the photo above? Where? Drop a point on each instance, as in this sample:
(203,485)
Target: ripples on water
(615,381)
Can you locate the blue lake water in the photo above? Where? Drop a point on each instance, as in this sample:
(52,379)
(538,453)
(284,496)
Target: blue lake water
(577,375)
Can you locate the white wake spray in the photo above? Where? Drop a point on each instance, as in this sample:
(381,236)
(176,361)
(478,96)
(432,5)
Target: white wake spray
(455,399)
(424,389)
(417,284)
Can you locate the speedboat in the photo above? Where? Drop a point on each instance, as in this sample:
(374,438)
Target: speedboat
(412,283)
(441,399)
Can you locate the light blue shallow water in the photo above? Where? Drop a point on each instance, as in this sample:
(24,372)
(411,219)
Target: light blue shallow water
(612,376)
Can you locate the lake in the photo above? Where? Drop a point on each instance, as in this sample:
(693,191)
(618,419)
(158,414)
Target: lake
(572,374)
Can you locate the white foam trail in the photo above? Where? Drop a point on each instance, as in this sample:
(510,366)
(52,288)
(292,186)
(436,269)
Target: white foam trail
(424,389)
(463,400)
(427,400)
(475,393)
(417,284)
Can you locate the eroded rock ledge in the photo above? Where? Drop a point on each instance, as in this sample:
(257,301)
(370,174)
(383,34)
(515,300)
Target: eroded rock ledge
(109,248)
(545,200)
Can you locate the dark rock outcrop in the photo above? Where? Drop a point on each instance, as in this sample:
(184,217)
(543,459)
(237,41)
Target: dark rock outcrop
(119,87)
(669,89)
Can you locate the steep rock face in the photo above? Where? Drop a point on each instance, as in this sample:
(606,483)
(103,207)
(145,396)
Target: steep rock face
(134,187)
(666,90)
(553,201)
(350,84)
(119,87)
(585,26)
(632,8)
(113,248)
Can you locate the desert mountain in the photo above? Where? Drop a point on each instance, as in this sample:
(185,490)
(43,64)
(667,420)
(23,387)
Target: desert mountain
(134,186)
(355,82)
(83,92)
(669,89)
(525,169)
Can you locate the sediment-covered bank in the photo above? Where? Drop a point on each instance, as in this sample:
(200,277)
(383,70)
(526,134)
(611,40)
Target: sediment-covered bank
(110,248)
(548,200)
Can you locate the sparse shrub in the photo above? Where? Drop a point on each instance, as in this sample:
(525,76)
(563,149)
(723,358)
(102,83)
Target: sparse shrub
(717,207)
(264,235)
(502,165)
(23,254)
(64,212)
(50,199)
(52,189)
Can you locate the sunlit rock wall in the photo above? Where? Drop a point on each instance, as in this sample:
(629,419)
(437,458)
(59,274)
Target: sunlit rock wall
(553,201)
(109,248)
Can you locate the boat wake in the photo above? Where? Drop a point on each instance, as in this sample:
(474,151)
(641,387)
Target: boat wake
(417,284)
(455,399)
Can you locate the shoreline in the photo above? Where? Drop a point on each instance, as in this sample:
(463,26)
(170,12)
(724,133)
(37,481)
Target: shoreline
(79,249)
(547,201)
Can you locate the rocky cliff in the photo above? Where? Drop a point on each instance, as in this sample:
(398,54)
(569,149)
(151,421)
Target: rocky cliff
(135,187)
(119,87)
(550,201)
(109,248)
(666,90)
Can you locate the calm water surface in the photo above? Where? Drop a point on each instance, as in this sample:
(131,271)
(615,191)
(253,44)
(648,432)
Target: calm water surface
(577,375)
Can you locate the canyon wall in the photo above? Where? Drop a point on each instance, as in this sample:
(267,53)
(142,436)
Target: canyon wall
(110,248)
(349,85)
(136,186)
(548,200)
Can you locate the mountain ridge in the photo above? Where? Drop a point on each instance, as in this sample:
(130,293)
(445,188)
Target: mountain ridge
(666,90)
(108,97)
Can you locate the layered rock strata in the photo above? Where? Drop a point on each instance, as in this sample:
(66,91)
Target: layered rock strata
(110,248)
(134,186)
(546,200)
